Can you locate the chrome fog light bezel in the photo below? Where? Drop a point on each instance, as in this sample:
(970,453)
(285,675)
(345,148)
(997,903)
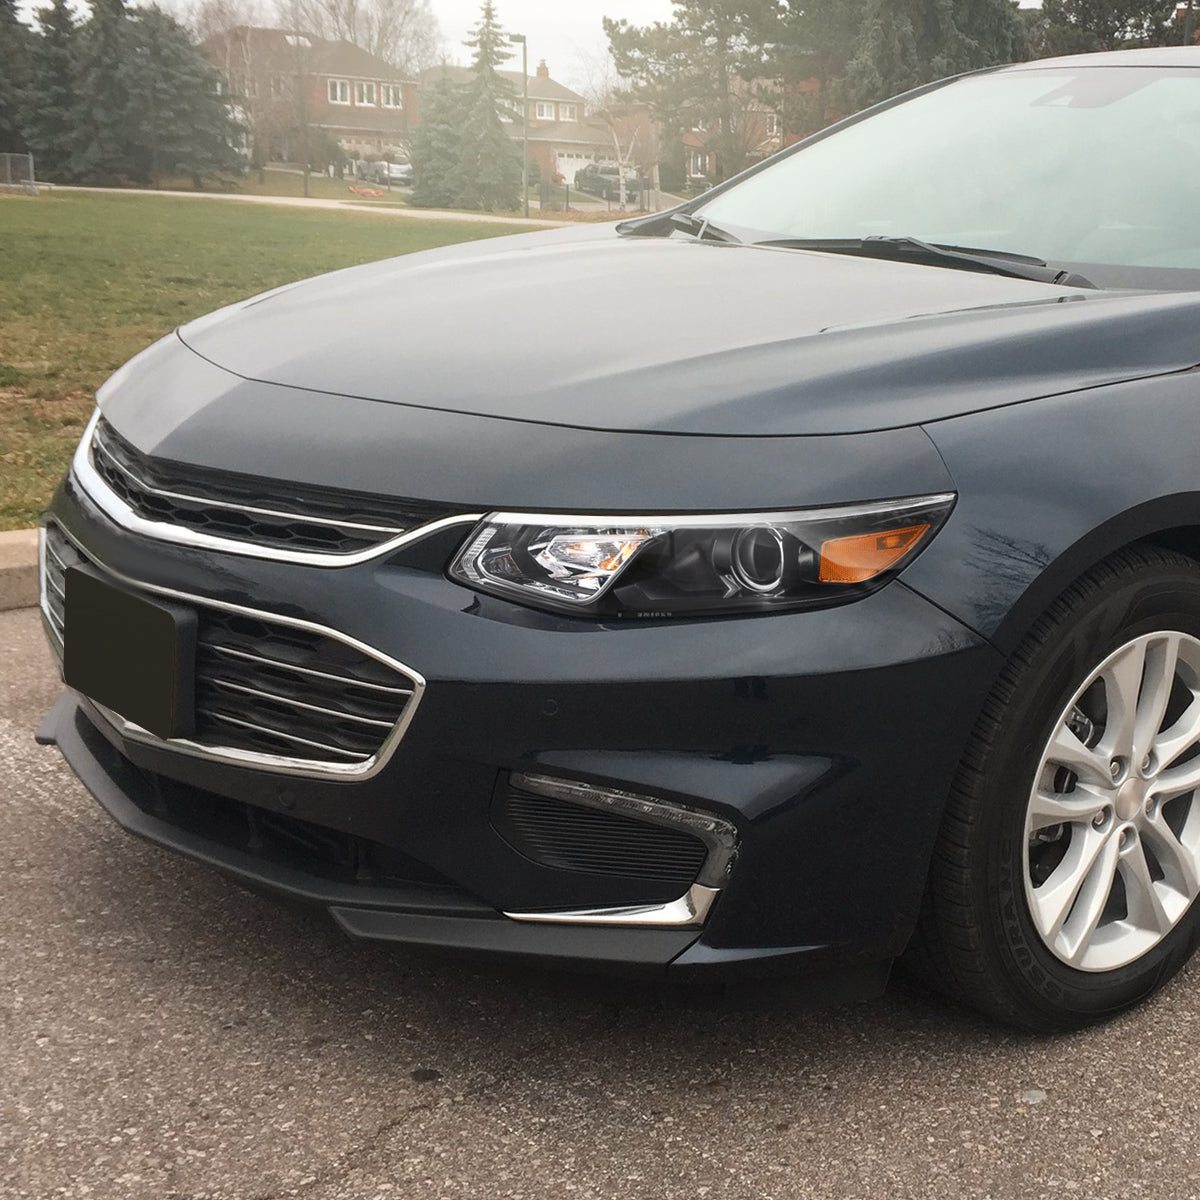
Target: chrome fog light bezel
(692,908)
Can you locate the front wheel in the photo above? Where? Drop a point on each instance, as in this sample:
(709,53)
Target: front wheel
(1062,886)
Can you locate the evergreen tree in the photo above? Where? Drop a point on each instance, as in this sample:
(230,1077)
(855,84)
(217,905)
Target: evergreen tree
(103,148)
(905,43)
(1081,26)
(51,112)
(436,144)
(177,121)
(695,72)
(488,172)
(806,42)
(15,51)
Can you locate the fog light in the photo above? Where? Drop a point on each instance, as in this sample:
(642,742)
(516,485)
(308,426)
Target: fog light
(719,836)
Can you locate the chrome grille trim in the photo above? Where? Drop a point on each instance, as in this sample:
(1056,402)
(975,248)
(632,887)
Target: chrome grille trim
(116,509)
(98,445)
(288,737)
(229,651)
(359,766)
(229,685)
(51,618)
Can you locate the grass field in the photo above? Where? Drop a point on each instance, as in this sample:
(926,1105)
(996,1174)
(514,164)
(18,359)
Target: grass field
(87,280)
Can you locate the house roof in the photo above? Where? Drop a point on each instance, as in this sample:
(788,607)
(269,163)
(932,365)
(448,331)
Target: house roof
(321,56)
(362,120)
(579,133)
(541,87)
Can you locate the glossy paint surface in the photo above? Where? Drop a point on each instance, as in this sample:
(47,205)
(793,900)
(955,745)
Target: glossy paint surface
(693,338)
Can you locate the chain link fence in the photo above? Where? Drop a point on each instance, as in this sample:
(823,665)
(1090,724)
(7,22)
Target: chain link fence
(16,174)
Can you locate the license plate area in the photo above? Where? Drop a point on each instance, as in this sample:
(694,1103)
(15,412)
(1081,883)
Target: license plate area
(133,655)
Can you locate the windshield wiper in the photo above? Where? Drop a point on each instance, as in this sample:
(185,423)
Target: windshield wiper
(962,258)
(702,229)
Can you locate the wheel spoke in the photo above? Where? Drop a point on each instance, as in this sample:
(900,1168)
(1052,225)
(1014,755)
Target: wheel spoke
(1054,900)
(1177,780)
(1079,923)
(1063,808)
(1181,736)
(1161,659)
(1145,909)
(1179,864)
(1066,750)
(1122,679)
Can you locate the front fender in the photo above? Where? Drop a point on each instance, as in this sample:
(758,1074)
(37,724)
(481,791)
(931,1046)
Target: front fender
(1051,487)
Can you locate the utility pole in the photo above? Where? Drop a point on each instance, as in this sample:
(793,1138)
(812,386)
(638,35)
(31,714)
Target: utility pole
(520,37)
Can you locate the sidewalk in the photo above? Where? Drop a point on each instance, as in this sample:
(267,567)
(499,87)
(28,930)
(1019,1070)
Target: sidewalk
(347,205)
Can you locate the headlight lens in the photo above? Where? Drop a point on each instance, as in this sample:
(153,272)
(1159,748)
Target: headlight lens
(660,566)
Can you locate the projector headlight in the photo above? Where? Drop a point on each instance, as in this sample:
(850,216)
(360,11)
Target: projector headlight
(663,566)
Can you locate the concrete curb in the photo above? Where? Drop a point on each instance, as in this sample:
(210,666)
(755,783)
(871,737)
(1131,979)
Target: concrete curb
(18,569)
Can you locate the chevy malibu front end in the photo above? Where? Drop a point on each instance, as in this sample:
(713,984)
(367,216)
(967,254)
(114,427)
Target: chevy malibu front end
(349,722)
(823,585)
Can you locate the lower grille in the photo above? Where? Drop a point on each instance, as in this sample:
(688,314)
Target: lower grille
(570,837)
(270,691)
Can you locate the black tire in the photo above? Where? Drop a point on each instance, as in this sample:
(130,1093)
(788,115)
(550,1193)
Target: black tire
(976,939)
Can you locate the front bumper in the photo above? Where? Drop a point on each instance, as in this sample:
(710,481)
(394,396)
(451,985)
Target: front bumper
(828,739)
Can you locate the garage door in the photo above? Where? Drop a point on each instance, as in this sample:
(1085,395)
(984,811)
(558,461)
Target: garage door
(568,164)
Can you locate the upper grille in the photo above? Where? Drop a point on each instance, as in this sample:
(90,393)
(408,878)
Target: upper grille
(244,508)
(571,837)
(270,689)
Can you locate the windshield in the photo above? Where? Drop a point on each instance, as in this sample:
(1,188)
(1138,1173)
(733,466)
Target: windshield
(1095,165)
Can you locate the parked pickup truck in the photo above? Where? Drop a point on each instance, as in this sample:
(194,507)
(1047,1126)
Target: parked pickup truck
(604,180)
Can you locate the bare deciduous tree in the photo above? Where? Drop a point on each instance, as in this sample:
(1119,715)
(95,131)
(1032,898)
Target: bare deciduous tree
(634,137)
(209,18)
(401,32)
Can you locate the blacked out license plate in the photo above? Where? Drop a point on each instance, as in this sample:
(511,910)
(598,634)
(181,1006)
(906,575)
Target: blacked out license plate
(133,655)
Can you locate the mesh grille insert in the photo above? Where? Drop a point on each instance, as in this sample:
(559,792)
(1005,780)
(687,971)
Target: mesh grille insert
(571,837)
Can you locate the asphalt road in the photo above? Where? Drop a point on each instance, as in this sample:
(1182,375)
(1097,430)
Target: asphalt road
(164,1034)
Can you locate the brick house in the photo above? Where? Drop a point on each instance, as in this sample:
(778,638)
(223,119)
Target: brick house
(278,81)
(759,129)
(562,136)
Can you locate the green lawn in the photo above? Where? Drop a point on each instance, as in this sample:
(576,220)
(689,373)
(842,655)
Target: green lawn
(87,280)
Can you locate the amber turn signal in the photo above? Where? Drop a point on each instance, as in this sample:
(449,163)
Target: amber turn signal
(862,557)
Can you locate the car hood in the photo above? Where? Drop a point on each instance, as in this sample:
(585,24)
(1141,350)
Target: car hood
(597,331)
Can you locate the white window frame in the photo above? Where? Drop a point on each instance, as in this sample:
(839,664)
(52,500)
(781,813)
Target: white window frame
(544,110)
(364,95)
(773,125)
(390,95)
(568,112)
(339,91)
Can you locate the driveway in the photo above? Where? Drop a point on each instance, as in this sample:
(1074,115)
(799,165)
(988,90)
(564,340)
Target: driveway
(164,1034)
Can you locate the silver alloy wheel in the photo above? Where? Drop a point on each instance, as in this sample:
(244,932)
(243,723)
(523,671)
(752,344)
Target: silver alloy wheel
(1112,828)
